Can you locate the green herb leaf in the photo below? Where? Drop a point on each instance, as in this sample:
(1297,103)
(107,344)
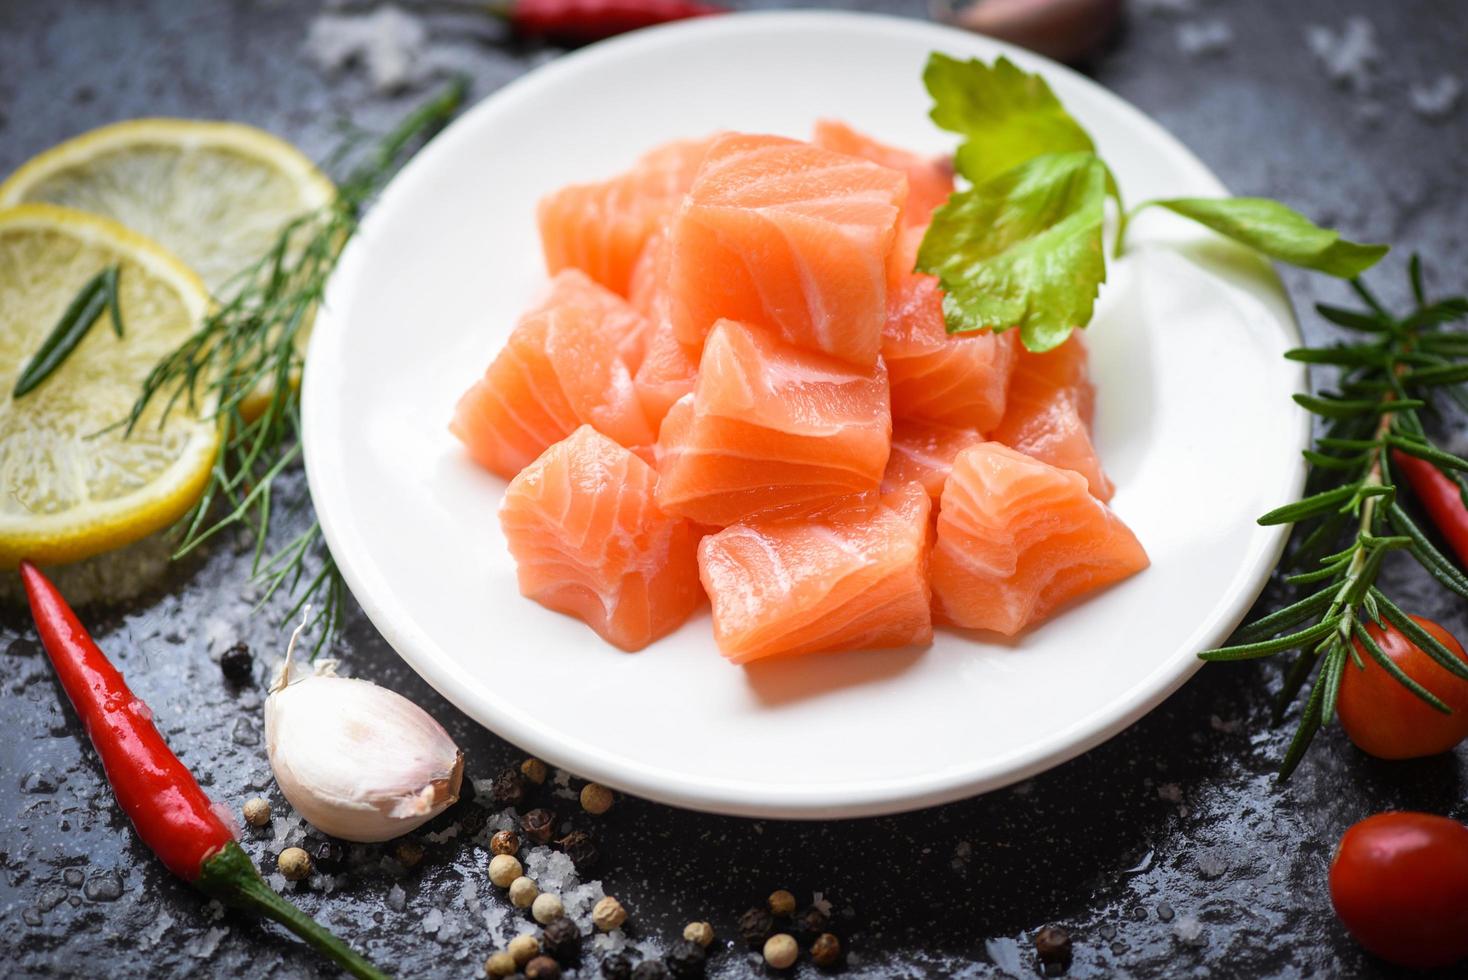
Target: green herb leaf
(76,321)
(1023,249)
(1007,116)
(1279,232)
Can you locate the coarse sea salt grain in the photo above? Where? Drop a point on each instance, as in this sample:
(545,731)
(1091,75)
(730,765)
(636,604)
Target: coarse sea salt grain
(1349,56)
(1204,37)
(396,898)
(1436,99)
(609,942)
(390,43)
(1189,931)
(432,920)
(204,946)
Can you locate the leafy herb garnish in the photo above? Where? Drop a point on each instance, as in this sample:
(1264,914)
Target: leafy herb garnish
(244,361)
(99,293)
(1350,519)
(1011,120)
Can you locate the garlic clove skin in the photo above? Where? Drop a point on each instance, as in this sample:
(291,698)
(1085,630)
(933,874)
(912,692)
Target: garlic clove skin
(358,761)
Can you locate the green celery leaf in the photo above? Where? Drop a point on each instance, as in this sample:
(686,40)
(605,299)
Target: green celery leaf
(1279,232)
(1006,116)
(1022,249)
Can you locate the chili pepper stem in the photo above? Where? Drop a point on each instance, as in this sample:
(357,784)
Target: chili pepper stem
(230,877)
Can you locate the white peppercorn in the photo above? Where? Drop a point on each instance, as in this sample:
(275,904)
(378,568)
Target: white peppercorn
(608,914)
(504,869)
(523,892)
(546,908)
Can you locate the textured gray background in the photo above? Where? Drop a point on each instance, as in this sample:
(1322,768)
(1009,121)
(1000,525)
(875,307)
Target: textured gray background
(1174,824)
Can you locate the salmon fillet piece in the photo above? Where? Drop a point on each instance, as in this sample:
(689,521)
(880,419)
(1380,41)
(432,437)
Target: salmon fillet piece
(568,361)
(1049,409)
(787,236)
(929,179)
(1019,538)
(853,580)
(602,227)
(589,540)
(771,430)
(668,367)
(923,452)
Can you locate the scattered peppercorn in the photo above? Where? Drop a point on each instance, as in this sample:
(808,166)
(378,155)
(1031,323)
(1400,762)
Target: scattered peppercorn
(617,966)
(825,952)
(596,799)
(650,970)
(509,788)
(782,903)
(539,825)
(534,770)
(608,914)
(504,842)
(814,922)
(581,849)
(523,892)
(1052,944)
(409,853)
(328,855)
(504,869)
(542,968)
(294,863)
(500,965)
(546,908)
(257,811)
(756,925)
(562,939)
(781,950)
(523,949)
(685,960)
(237,664)
(699,932)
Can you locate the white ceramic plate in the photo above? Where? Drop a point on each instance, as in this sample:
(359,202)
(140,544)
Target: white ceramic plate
(1195,425)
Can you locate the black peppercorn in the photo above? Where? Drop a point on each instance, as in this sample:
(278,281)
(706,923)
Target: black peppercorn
(814,921)
(1052,944)
(825,952)
(408,853)
(509,788)
(562,940)
(539,825)
(617,966)
(581,849)
(237,664)
(651,970)
(542,968)
(756,925)
(685,960)
(328,855)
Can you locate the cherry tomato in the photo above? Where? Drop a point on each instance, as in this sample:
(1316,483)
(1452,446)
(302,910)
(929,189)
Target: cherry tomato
(1389,721)
(1399,883)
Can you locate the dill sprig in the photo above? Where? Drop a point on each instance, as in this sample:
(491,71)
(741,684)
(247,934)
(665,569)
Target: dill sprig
(1350,519)
(242,367)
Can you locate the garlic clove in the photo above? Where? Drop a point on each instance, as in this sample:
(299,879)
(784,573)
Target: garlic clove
(358,761)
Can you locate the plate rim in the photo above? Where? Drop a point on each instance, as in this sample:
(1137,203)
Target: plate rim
(734,797)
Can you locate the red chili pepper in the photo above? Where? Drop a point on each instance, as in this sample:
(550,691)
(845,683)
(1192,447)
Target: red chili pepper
(1440,497)
(583,21)
(171,813)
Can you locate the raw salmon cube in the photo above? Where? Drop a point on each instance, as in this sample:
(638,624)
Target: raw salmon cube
(1048,412)
(589,540)
(1019,538)
(929,179)
(569,361)
(855,579)
(668,367)
(601,228)
(771,430)
(787,236)
(924,452)
(954,379)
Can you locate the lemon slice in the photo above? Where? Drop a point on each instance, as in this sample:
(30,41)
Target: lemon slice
(215,194)
(70,487)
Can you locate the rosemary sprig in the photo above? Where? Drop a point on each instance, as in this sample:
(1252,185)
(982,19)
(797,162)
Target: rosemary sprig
(99,293)
(243,363)
(1387,380)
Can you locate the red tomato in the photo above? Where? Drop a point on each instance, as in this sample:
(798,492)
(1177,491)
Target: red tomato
(1399,883)
(1389,721)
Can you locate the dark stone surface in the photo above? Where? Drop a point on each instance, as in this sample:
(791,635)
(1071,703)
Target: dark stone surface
(1168,851)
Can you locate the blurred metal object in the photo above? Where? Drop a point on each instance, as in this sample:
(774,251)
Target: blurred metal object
(1062,29)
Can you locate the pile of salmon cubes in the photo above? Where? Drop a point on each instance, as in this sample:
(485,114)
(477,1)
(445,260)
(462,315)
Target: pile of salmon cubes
(737,387)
